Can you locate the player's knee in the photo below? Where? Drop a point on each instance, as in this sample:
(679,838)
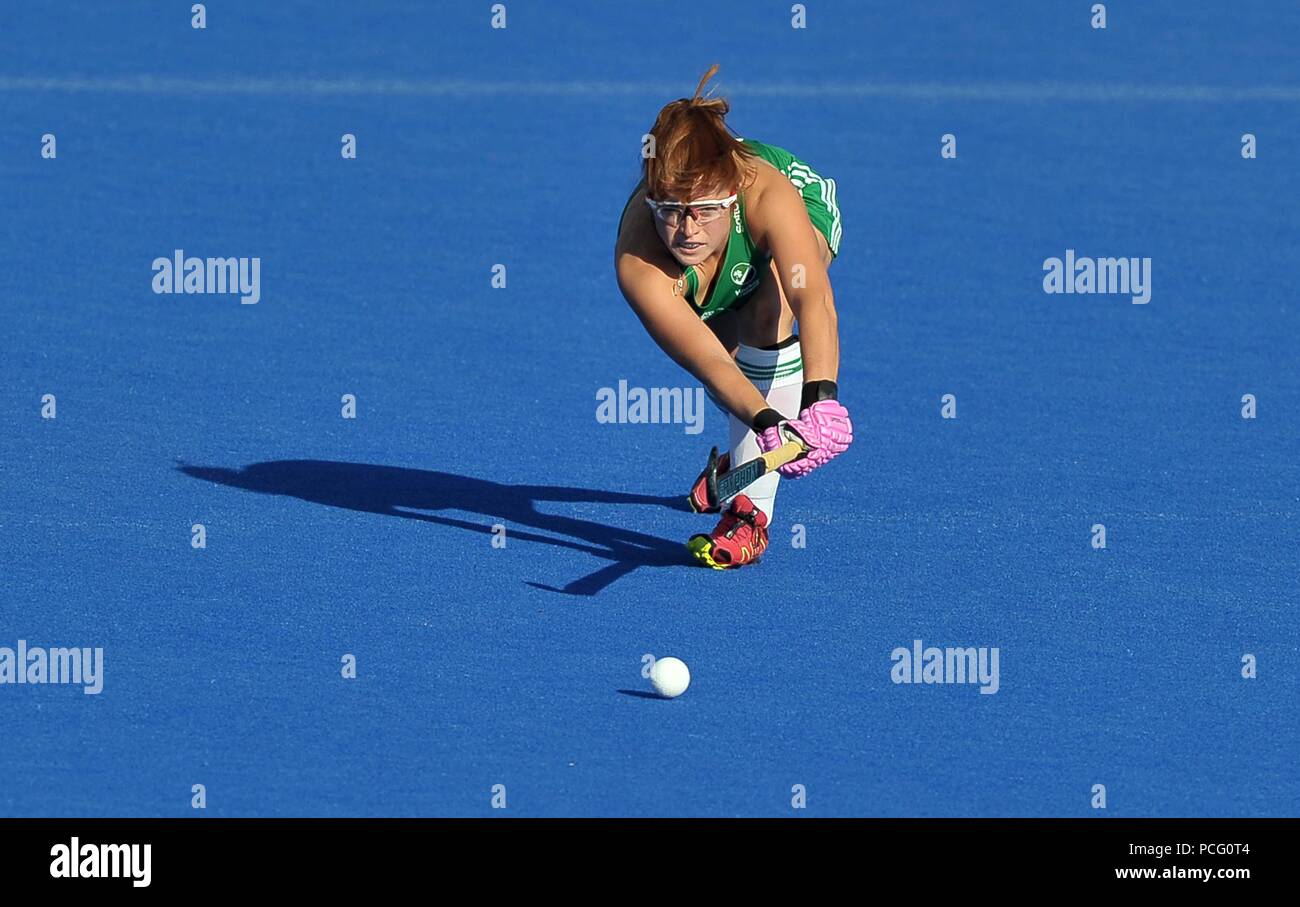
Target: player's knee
(766,327)
(764,321)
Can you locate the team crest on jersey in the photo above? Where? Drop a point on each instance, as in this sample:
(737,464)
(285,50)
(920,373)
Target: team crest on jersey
(743,275)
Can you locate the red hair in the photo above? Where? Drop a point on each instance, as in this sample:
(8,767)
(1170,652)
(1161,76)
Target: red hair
(694,149)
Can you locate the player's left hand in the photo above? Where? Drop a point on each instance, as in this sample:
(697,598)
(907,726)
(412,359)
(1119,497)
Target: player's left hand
(826,430)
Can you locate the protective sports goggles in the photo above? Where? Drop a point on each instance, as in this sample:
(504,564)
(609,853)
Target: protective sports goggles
(705,211)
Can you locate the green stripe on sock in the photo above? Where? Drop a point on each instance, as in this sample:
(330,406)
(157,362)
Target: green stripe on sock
(776,371)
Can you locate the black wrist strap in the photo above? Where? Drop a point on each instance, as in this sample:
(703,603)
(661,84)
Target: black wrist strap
(767,418)
(818,390)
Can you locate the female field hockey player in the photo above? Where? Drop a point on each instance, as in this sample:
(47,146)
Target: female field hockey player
(722,248)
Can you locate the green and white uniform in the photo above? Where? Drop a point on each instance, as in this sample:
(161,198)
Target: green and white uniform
(743,265)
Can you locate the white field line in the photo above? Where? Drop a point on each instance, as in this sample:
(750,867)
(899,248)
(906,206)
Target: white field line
(901,91)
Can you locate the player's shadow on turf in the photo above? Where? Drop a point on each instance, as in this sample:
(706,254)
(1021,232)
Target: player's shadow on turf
(396,491)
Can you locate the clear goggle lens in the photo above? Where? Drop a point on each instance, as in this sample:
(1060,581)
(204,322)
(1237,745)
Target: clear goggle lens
(705,212)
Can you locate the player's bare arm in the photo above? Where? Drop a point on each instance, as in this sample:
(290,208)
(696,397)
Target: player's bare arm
(780,223)
(644,278)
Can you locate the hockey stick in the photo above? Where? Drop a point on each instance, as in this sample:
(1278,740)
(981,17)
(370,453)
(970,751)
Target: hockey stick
(720,488)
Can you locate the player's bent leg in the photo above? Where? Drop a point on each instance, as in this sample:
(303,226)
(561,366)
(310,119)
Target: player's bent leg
(770,356)
(766,317)
(726,327)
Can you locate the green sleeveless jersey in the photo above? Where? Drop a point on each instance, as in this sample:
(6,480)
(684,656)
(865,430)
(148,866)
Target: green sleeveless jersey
(742,263)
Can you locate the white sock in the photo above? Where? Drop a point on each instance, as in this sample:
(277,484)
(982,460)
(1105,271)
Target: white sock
(778,375)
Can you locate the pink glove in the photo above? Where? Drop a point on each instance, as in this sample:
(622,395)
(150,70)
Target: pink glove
(824,427)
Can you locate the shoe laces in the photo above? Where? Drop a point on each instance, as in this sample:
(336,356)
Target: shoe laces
(735,520)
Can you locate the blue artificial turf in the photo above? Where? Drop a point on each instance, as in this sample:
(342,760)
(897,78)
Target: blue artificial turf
(521,665)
